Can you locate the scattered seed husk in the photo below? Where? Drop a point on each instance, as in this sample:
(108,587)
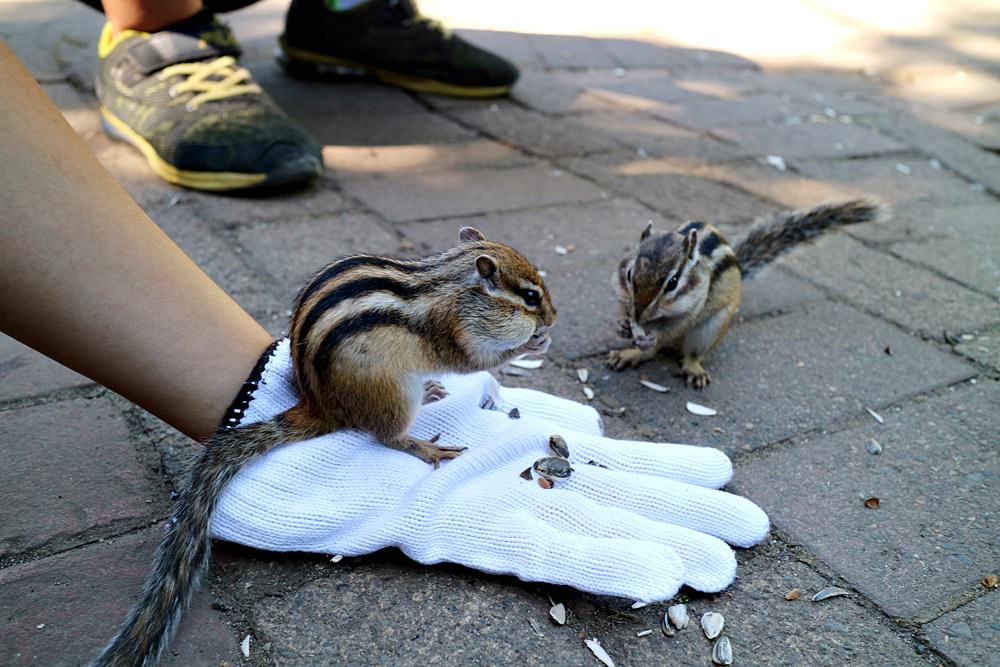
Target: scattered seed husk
(527,364)
(872,502)
(514,413)
(654,386)
(570,247)
(515,372)
(558,445)
(696,409)
(588,392)
(665,626)
(545,483)
(829,592)
(583,374)
(561,250)
(792,594)
(990,580)
(800,364)
(722,652)
(558,613)
(552,467)
(639,605)
(643,633)
(526,473)
(876,415)
(534,626)
(712,623)
(336,558)
(949,338)
(599,652)
(678,615)
(888,350)
(245,646)
(592,462)
(873,447)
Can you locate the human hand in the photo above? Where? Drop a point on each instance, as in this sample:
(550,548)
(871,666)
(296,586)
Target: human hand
(639,528)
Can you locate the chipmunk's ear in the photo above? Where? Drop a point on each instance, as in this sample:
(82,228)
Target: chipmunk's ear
(486,265)
(469,234)
(691,244)
(646,232)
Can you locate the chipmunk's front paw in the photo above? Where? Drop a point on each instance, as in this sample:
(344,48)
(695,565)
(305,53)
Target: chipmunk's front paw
(695,375)
(433,391)
(623,328)
(630,357)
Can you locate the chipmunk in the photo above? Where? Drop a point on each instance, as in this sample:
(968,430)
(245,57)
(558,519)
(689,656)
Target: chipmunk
(679,290)
(364,333)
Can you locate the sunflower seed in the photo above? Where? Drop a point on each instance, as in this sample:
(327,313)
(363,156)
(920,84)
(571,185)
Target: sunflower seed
(534,626)
(989,581)
(678,615)
(526,473)
(514,413)
(527,364)
(559,446)
(517,372)
(639,605)
(336,558)
(829,592)
(561,250)
(245,646)
(552,467)
(599,652)
(722,652)
(792,594)
(712,623)
(558,613)
(872,503)
(583,374)
(545,483)
(876,415)
(643,633)
(873,447)
(588,392)
(696,409)
(655,387)
(666,627)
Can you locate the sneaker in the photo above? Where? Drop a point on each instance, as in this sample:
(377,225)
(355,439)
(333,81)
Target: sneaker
(390,40)
(181,98)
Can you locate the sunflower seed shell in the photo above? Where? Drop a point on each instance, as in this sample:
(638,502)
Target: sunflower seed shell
(599,652)
(712,624)
(678,615)
(829,592)
(722,652)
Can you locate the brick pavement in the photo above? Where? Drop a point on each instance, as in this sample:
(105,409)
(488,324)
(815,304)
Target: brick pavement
(601,135)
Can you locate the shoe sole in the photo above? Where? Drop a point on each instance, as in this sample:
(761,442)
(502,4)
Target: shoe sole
(294,171)
(309,64)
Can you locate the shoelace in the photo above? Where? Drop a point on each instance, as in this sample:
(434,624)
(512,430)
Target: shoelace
(211,80)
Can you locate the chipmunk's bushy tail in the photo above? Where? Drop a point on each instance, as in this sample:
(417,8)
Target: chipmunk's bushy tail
(182,558)
(773,235)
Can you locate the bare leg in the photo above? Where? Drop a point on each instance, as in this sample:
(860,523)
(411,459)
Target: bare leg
(89,280)
(147,15)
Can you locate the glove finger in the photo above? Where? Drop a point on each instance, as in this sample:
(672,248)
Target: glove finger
(709,564)
(723,515)
(557,411)
(533,548)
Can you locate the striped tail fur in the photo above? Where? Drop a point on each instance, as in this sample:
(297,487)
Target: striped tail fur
(773,235)
(182,558)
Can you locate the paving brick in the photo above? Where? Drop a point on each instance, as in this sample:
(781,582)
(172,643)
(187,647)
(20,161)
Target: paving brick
(960,242)
(983,347)
(937,480)
(70,467)
(652,86)
(536,133)
(721,113)
(290,252)
(656,138)
(763,628)
(61,610)
(571,51)
(401,197)
(668,186)
(632,53)
(944,85)
(906,182)
(969,635)
(980,127)
(776,377)
(774,290)
(915,299)
(24,372)
(578,281)
(351,161)
(812,140)
(969,160)
(557,92)
(785,188)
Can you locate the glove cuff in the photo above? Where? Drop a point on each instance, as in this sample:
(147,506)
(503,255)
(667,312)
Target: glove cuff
(236,410)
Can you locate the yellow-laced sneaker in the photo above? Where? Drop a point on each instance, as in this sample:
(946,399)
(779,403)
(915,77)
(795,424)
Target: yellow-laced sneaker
(392,41)
(181,97)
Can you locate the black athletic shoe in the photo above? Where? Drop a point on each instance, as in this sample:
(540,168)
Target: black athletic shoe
(389,39)
(181,97)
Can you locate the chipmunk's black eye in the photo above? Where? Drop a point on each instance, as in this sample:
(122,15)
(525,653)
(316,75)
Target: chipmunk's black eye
(531,297)
(672,283)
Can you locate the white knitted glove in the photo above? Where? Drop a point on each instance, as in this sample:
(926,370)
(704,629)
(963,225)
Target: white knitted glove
(639,528)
